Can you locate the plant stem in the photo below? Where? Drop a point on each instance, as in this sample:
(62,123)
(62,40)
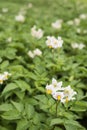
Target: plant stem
(56,107)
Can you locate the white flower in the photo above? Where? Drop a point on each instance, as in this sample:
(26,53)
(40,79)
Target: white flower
(54,86)
(69,93)
(36,33)
(57,24)
(9,39)
(54,83)
(76,45)
(81,46)
(1,79)
(6,75)
(30,5)
(83,16)
(52,42)
(58,96)
(37,52)
(31,54)
(20,18)
(22,11)
(60,42)
(4,10)
(85,31)
(70,22)
(50,89)
(62,94)
(76,21)
(78,30)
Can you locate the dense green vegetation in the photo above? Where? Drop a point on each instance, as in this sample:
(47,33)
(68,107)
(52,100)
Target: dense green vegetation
(24,103)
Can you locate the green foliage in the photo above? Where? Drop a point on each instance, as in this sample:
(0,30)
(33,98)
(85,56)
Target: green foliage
(24,104)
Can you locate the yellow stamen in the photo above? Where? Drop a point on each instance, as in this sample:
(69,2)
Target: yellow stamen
(49,91)
(58,97)
(1,81)
(66,92)
(55,42)
(6,76)
(55,85)
(50,46)
(67,99)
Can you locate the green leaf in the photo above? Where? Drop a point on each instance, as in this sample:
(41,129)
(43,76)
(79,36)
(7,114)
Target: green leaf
(4,65)
(79,106)
(43,102)
(22,124)
(31,101)
(56,121)
(36,118)
(70,127)
(29,109)
(11,115)
(19,94)
(58,128)
(6,107)
(81,103)
(73,123)
(41,89)
(18,71)
(34,127)
(41,98)
(9,87)
(3,128)
(18,106)
(23,85)
(10,53)
(69,115)
(32,76)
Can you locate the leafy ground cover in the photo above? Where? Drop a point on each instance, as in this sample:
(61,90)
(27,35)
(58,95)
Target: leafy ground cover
(24,102)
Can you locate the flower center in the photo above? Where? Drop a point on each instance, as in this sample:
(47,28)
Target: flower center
(6,76)
(1,81)
(58,97)
(55,85)
(49,91)
(55,42)
(66,92)
(50,46)
(66,99)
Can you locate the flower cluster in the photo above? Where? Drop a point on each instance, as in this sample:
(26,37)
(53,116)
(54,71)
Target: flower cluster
(37,33)
(70,22)
(77,46)
(83,16)
(9,39)
(57,24)
(36,52)
(4,10)
(30,5)
(20,18)
(78,30)
(53,42)
(76,22)
(4,77)
(62,94)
